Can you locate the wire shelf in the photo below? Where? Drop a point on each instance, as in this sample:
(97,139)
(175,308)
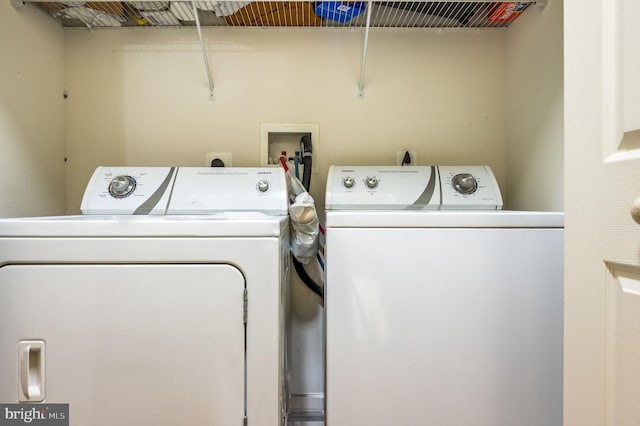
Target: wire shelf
(266,14)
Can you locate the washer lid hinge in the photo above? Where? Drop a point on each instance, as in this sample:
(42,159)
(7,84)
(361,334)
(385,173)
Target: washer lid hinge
(245,313)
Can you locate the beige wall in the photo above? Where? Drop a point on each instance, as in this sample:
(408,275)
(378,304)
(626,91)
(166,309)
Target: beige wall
(535,110)
(140,97)
(31,113)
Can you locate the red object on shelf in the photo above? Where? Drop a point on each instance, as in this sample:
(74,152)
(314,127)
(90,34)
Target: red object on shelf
(507,12)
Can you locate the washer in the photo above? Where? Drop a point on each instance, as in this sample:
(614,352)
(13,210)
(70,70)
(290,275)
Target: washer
(163,304)
(441,309)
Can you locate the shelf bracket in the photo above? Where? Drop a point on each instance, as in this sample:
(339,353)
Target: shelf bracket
(204,52)
(364,50)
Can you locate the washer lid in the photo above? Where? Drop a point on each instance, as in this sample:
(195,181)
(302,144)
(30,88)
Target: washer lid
(185,190)
(444,219)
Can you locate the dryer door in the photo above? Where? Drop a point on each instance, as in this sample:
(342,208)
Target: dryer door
(134,344)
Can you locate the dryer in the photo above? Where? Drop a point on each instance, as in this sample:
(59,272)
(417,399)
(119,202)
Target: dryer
(164,304)
(441,308)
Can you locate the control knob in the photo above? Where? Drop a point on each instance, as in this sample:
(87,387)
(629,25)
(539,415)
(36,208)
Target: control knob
(348,182)
(464,183)
(371,182)
(263,186)
(122,186)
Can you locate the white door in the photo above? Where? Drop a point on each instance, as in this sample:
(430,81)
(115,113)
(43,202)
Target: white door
(602,159)
(127,344)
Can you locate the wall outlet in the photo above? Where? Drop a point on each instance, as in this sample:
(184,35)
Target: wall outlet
(412,154)
(224,156)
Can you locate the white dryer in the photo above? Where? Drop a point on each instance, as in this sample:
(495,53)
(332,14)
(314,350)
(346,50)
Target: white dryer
(441,309)
(163,305)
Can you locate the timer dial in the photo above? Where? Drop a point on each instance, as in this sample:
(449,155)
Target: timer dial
(464,183)
(122,186)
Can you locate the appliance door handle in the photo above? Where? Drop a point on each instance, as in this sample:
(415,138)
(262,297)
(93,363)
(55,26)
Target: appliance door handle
(635,210)
(31,370)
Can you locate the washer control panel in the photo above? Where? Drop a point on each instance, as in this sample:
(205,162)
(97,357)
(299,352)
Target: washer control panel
(411,188)
(185,190)
(469,187)
(382,187)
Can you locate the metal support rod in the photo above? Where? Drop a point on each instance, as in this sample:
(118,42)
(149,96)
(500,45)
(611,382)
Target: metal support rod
(204,51)
(364,50)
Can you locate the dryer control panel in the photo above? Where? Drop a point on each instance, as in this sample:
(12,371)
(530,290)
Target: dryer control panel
(412,188)
(186,190)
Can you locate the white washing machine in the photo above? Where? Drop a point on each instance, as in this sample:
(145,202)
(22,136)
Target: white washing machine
(163,305)
(441,309)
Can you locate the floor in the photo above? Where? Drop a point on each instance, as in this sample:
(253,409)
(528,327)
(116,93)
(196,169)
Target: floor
(306,419)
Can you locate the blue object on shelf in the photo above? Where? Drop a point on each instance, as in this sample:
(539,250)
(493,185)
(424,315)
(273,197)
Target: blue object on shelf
(339,11)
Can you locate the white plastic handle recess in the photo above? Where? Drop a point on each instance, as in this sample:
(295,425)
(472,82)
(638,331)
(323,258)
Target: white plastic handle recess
(31,359)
